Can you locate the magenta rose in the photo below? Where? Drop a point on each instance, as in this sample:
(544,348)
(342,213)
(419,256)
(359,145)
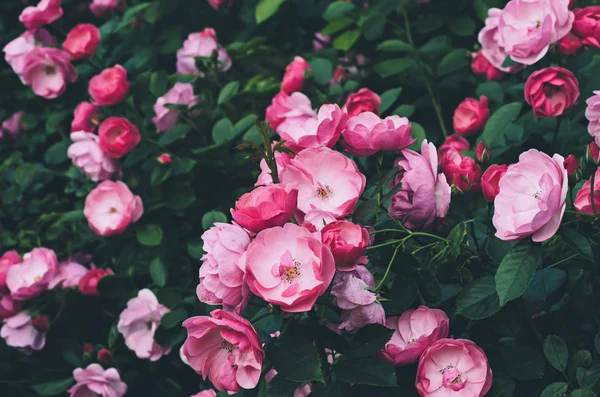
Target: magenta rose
(288,266)
(315,132)
(587,25)
(582,200)
(96,381)
(348,242)
(88,284)
(482,67)
(47,71)
(539,184)
(82,41)
(216,4)
(265,207)
(201,44)
(570,44)
(471,115)
(44,13)
(109,87)
(85,117)
(551,91)
(32,276)
(461,171)
(222,281)
(293,78)
(102,8)
(453,367)
(483,154)
(138,323)
(455,142)
(288,110)
(592,113)
(110,207)
(362,101)
(86,154)
(326,180)
(235,361)
(180,94)
(117,136)
(490,181)
(16,51)
(425,194)
(367,134)
(414,331)
(8,259)
(20,332)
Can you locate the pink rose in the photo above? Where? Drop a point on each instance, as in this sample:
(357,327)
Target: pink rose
(101,8)
(88,284)
(209,392)
(320,42)
(82,41)
(31,277)
(367,134)
(96,381)
(471,115)
(117,136)
(326,180)
(47,71)
(289,110)
(316,220)
(425,194)
(233,363)
(323,130)
(109,87)
(490,181)
(7,260)
(44,13)
(359,305)
(85,117)
(570,44)
(587,25)
(482,67)
(483,154)
(281,160)
(592,153)
(19,332)
(539,185)
(582,200)
(8,307)
(164,159)
(573,169)
(265,207)
(492,44)
(451,365)
(216,4)
(592,113)
(201,44)
(414,331)
(12,125)
(551,91)
(293,78)
(68,274)
(364,100)
(138,323)
(110,207)
(348,242)
(16,51)
(288,266)
(455,142)
(528,27)
(180,94)
(221,279)
(86,154)
(461,171)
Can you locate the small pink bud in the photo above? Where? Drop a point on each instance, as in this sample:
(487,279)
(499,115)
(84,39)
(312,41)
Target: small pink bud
(41,323)
(592,153)
(104,356)
(164,158)
(573,169)
(483,153)
(87,348)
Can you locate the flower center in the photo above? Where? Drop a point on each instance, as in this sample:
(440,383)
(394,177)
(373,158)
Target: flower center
(112,210)
(538,24)
(324,191)
(537,194)
(550,90)
(38,278)
(292,273)
(227,346)
(451,377)
(49,69)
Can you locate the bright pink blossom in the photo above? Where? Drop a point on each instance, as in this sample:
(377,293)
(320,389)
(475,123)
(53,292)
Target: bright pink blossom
(88,284)
(570,44)
(323,130)
(316,220)
(216,4)
(265,207)
(490,181)
(118,136)
(9,307)
(96,381)
(16,51)
(592,113)
(455,142)
(68,274)
(482,67)
(348,242)
(109,87)
(362,101)
(82,41)
(583,201)
(12,126)
(110,207)
(367,134)
(102,8)
(32,276)
(461,171)
(587,25)
(7,260)
(282,159)
(471,115)
(492,44)
(551,91)
(293,79)
(85,117)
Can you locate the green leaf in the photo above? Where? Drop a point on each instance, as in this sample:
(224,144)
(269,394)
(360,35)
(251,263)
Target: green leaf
(578,242)
(439,44)
(404,110)
(556,389)
(516,270)
(57,153)
(523,363)
(266,9)
(222,131)
(243,124)
(556,352)
(583,393)
(392,67)
(174,318)
(544,283)
(454,61)
(346,40)
(370,339)
(54,387)
(462,26)
(589,377)
(336,25)
(160,175)
(494,133)
(492,90)
(180,196)
(394,46)
(418,133)
(580,360)
(481,9)
(212,217)
(55,119)
(508,61)
(478,300)
(158,272)
(321,69)
(113,335)
(365,371)
(174,134)
(194,248)
(228,92)
(170,337)
(159,83)
(337,9)
(71,216)
(296,359)
(402,294)
(149,234)
(388,98)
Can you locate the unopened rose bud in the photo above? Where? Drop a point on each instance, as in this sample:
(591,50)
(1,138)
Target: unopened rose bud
(164,158)
(573,169)
(87,348)
(41,323)
(482,153)
(592,154)
(104,356)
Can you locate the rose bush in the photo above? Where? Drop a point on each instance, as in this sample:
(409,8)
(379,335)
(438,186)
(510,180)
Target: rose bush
(275,198)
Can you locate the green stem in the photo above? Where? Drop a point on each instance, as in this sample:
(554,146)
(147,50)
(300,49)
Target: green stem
(391,242)
(563,260)
(592,193)
(269,154)
(387,271)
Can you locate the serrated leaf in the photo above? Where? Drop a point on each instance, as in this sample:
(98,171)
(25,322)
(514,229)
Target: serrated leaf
(516,270)
(557,389)
(578,242)
(370,339)
(479,299)
(296,359)
(556,352)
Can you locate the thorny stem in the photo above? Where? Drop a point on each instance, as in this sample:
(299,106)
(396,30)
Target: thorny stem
(269,153)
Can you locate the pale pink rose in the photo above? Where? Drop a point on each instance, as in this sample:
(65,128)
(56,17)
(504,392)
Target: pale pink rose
(265,207)
(44,13)
(19,332)
(532,197)
(592,113)
(9,307)
(8,259)
(492,46)
(455,142)
(316,220)
(281,160)
(425,194)
(326,180)
(16,51)
(180,94)
(359,305)
(224,348)
(414,331)
(47,71)
(85,117)
(110,207)
(367,134)
(68,275)
(31,277)
(301,391)
(86,154)
(12,126)
(453,368)
(288,266)
(528,27)
(221,279)
(293,78)
(320,42)
(216,4)
(582,200)
(138,323)
(348,242)
(201,44)
(101,8)
(96,381)
(323,130)
(206,393)
(288,110)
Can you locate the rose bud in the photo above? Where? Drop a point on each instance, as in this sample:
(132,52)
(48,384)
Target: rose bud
(164,158)
(110,207)
(490,179)
(44,13)
(587,25)
(482,67)
(348,242)
(8,259)
(32,276)
(551,91)
(85,117)
(471,115)
(293,79)
(118,136)
(13,126)
(41,323)
(414,331)
(265,207)
(570,44)
(88,348)
(592,154)
(88,285)
(461,171)
(573,169)
(82,41)
(95,381)
(582,200)
(109,87)
(47,71)
(364,100)
(482,153)
(18,332)
(455,142)
(104,356)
